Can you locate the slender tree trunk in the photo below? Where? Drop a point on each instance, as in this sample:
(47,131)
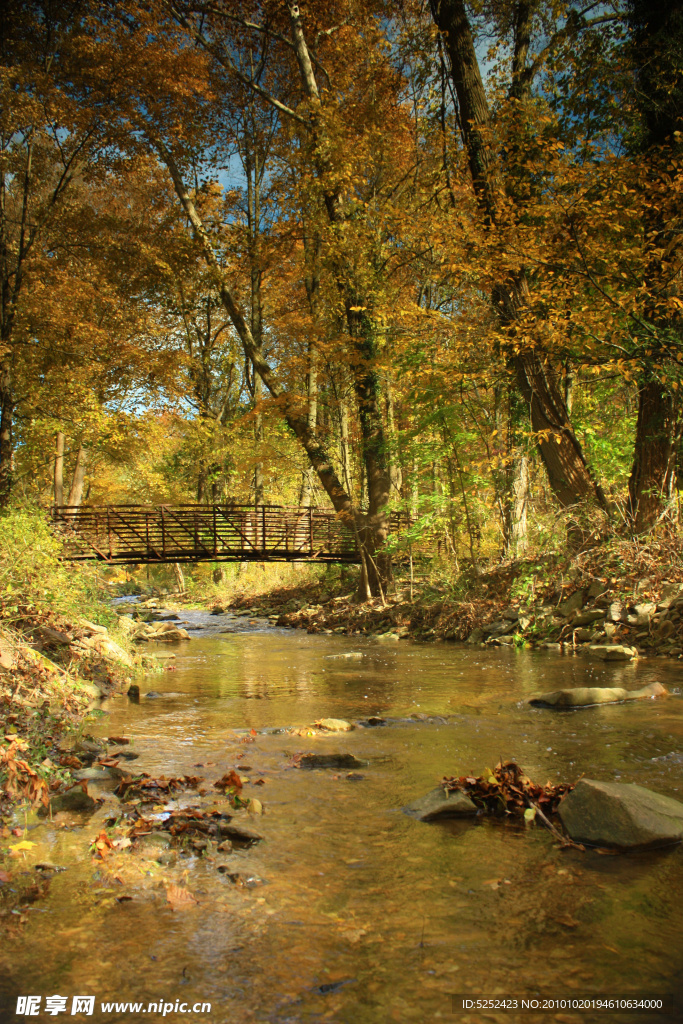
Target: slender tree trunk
(6,417)
(308,484)
(202,480)
(76,491)
(414,488)
(258,441)
(344,450)
(179,578)
(395,473)
(59,468)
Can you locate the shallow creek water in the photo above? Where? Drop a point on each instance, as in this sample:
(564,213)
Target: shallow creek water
(365,915)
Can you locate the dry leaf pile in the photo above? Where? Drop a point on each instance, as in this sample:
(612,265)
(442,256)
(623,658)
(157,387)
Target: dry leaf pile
(507,790)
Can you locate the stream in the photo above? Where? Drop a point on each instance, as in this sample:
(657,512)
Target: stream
(351,912)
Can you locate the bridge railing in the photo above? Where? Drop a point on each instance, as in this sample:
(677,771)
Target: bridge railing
(184,533)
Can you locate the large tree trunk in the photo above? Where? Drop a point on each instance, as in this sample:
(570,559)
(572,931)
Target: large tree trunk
(568,472)
(657,43)
(653,474)
(59,468)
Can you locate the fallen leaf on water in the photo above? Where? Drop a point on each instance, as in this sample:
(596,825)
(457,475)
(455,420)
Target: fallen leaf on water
(530,814)
(121,844)
(255,806)
(259,782)
(25,844)
(101,845)
(179,897)
(230,780)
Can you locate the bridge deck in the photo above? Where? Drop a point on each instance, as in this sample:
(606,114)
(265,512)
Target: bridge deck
(200,533)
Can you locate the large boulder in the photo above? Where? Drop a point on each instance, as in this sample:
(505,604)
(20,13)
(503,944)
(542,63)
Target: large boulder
(439,803)
(587,696)
(619,815)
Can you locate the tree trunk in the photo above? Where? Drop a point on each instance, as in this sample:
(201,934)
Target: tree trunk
(312,395)
(59,468)
(653,474)
(656,46)
(76,492)
(6,416)
(568,473)
(258,441)
(395,473)
(517,510)
(179,578)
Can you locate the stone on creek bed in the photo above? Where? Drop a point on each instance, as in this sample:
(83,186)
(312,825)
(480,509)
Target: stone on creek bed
(612,652)
(337,761)
(334,725)
(588,696)
(73,800)
(620,815)
(439,803)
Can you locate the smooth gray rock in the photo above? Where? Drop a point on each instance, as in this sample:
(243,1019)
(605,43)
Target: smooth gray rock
(440,804)
(612,652)
(588,696)
(621,815)
(240,833)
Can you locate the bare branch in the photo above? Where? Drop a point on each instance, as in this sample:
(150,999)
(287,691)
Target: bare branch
(202,41)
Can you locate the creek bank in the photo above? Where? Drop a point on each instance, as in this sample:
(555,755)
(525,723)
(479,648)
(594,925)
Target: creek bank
(615,602)
(52,668)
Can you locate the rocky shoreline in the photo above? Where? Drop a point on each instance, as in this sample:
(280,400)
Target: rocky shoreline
(591,619)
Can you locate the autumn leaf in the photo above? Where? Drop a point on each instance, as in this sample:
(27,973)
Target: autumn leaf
(179,898)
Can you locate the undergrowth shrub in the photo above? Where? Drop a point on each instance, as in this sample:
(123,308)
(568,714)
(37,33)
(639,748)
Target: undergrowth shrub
(33,577)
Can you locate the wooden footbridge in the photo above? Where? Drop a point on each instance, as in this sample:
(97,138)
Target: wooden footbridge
(203,533)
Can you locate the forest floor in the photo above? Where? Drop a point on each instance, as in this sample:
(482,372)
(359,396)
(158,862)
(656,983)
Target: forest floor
(619,594)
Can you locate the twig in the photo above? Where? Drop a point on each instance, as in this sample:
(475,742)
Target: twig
(562,839)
